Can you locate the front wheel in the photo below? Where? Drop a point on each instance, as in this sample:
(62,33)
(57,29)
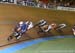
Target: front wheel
(12,36)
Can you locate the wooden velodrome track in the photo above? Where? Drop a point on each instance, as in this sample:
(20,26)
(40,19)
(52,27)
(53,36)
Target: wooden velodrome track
(11,14)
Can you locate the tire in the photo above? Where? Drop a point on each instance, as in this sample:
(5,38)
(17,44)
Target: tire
(10,37)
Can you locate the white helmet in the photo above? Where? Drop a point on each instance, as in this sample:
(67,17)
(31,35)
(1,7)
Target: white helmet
(21,22)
